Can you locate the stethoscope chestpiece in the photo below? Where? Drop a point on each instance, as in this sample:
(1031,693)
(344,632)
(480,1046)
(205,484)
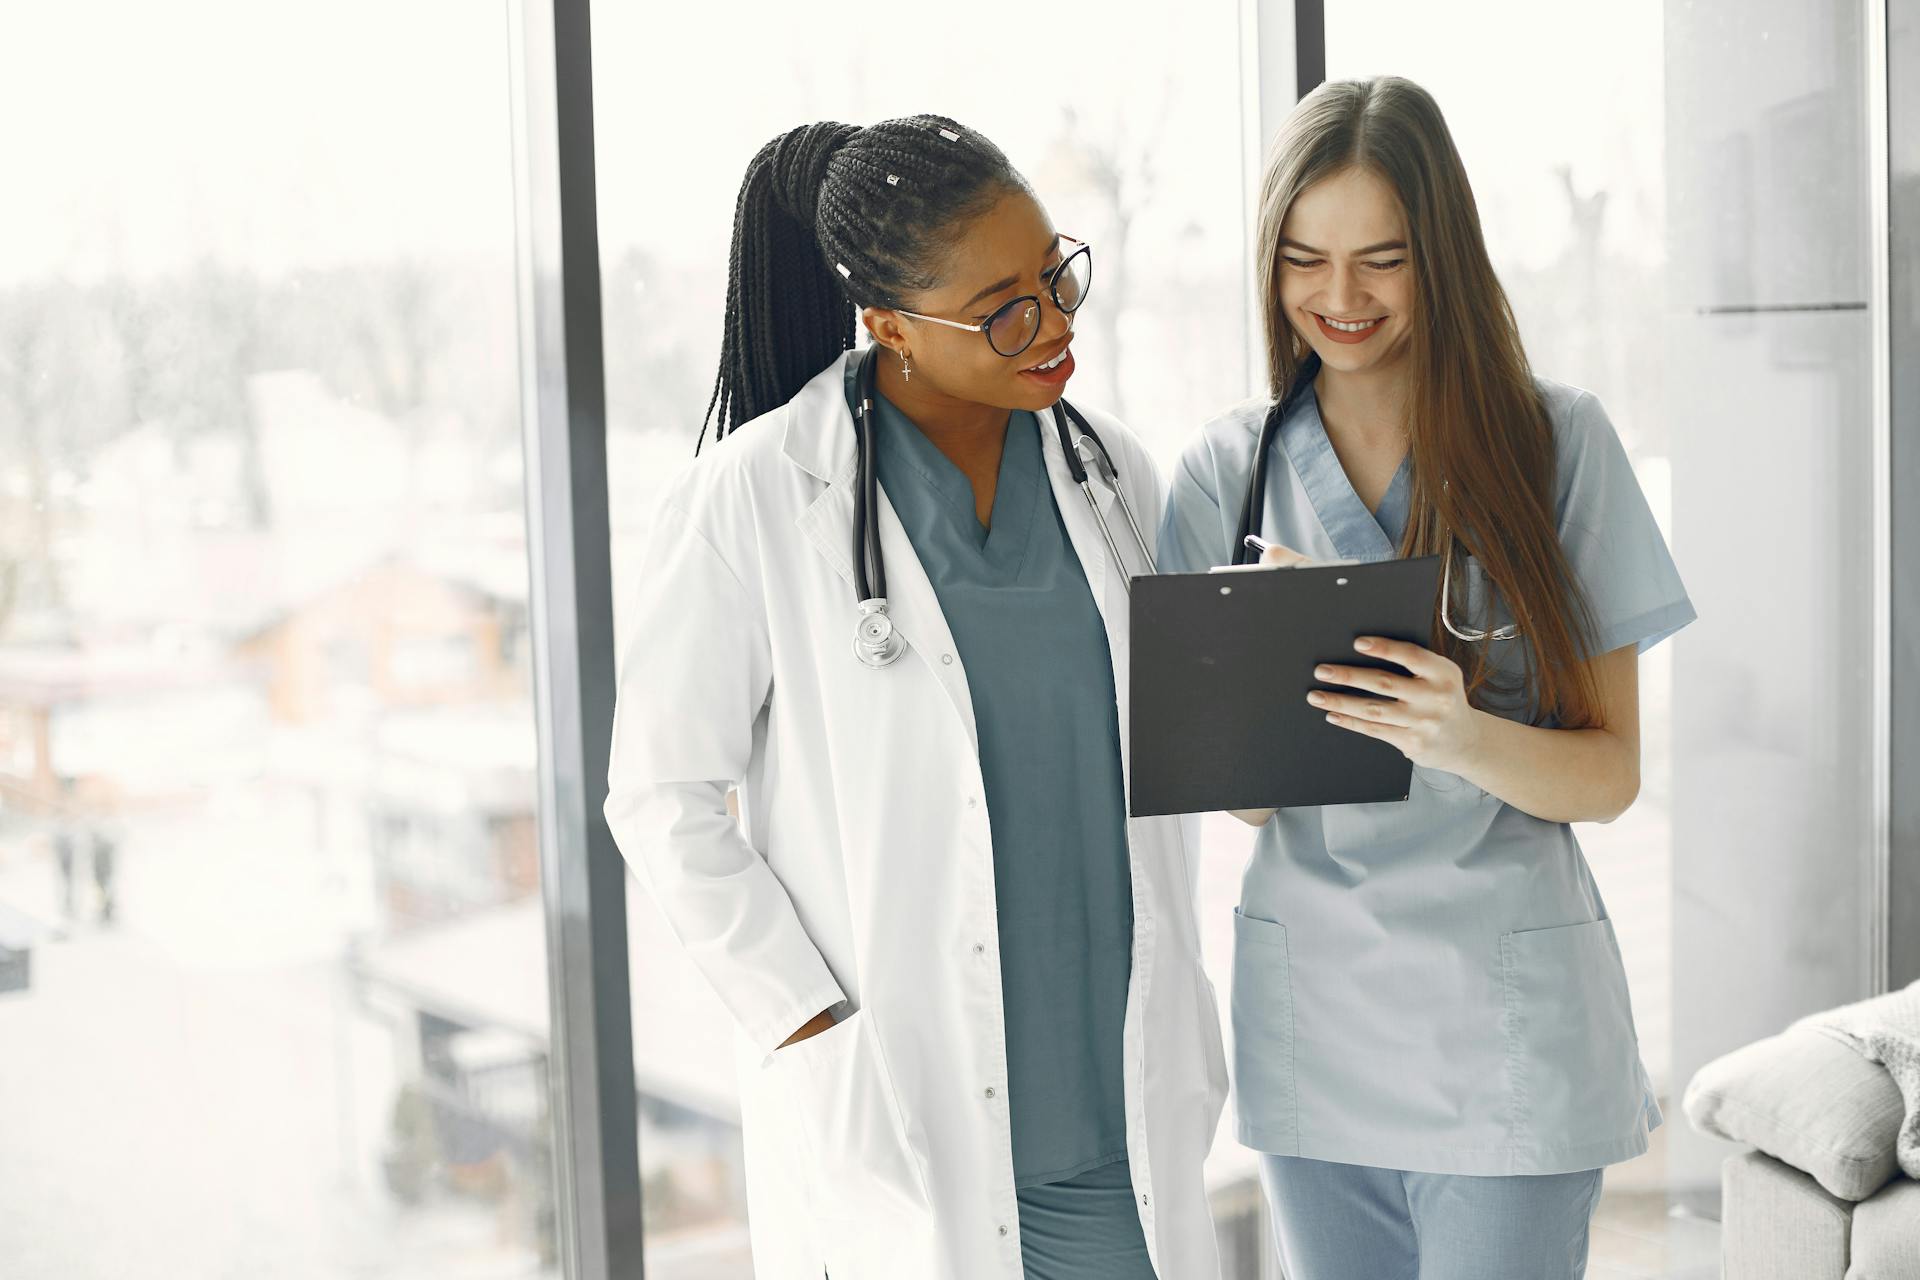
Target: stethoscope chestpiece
(875,642)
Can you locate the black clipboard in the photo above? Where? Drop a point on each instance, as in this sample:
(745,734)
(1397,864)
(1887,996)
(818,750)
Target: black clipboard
(1221,666)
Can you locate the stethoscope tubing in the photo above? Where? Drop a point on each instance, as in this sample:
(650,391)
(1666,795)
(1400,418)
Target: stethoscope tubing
(875,643)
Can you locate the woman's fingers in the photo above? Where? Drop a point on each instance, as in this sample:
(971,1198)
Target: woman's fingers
(1422,662)
(1385,683)
(1370,710)
(1393,735)
(1279,557)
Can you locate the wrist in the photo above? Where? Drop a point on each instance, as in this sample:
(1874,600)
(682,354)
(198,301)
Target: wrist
(814,1026)
(1470,754)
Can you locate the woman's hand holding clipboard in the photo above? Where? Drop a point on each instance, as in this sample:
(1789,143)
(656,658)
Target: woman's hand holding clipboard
(1424,713)
(1223,668)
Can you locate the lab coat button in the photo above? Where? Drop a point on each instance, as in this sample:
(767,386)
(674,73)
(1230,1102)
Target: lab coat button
(979,948)
(946,659)
(1003,1231)
(973,801)
(990,1092)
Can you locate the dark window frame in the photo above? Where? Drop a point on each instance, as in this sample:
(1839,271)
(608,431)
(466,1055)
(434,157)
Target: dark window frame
(583,879)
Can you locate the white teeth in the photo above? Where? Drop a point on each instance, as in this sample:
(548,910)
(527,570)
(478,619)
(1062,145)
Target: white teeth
(1349,328)
(1051,364)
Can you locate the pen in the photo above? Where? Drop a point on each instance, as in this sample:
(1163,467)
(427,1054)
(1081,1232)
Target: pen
(1258,543)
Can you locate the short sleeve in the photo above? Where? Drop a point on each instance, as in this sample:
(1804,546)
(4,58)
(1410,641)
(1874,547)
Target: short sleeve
(1190,531)
(1615,548)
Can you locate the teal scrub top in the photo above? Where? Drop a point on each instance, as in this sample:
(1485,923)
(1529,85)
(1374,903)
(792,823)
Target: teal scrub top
(1035,650)
(1433,985)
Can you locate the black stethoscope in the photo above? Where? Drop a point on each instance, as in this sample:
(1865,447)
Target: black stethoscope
(1255,504)
(875,642)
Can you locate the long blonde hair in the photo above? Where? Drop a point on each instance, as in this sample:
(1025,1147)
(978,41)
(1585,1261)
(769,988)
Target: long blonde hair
(1481,440)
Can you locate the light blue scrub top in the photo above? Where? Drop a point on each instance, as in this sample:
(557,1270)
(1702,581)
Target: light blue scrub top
(1025,624)
(1433,985)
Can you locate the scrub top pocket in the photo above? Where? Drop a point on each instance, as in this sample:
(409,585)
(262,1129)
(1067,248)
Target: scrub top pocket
(1437,786)
(863,1168)
(1476,606)
(1572,1055)
(1263,1071)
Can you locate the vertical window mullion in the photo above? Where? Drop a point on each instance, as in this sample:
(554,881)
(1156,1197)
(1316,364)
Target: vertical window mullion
(563,396)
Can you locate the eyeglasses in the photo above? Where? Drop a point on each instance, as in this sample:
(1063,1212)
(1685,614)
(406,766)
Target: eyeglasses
(1012,328)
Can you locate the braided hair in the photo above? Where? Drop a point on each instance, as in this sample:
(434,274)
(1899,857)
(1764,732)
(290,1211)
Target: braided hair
(830,218)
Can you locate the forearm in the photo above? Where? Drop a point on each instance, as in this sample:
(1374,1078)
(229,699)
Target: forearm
(1557,775)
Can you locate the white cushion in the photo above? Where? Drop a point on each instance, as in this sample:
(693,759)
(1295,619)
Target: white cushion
(1808,1100)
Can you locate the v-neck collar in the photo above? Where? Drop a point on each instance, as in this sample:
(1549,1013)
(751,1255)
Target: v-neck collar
(1017,485)
(1357,533)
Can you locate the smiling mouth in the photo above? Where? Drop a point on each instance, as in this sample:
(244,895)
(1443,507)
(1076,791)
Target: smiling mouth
(1351,326)
(1050,364)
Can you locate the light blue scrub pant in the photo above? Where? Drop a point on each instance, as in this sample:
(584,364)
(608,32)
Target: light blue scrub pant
(1352,1222)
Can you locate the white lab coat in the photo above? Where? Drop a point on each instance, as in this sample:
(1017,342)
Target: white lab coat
(860,874)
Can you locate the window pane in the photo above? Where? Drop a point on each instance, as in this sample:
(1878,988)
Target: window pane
(1133,143)
(267,837)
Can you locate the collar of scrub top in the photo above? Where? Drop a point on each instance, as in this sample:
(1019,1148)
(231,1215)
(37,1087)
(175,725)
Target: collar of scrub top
(875,642)
(1254,507)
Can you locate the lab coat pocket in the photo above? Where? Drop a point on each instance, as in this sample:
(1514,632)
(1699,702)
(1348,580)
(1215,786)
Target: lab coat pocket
(1573,1061)
(860,1165)
(1263,1073)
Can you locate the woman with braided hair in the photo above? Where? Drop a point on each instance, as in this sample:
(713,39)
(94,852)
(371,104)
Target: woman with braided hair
(974,1036)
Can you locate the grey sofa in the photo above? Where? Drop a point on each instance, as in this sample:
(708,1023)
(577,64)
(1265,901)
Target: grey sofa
(1821,1196)
(1778,1222)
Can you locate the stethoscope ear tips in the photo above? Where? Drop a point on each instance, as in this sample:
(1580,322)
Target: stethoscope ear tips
(875,642)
